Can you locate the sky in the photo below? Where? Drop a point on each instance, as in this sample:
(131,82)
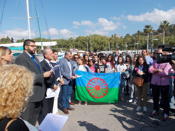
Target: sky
(73,18)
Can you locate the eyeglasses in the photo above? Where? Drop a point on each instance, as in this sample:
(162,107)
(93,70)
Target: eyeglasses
(32,45)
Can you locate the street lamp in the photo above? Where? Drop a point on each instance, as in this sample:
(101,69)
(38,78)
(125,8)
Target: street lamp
(109,46)
(153,43)
(126,46)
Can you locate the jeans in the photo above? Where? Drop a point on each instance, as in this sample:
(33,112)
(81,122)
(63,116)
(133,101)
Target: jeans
(142,95)
(64,96)
(132,91)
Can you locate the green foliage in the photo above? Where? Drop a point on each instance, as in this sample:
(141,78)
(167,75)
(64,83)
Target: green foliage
(164,33)
(6,40)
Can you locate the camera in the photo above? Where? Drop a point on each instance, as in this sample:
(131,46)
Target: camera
(162,58)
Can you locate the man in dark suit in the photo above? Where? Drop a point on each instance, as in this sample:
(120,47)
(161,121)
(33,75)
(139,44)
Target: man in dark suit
(28,59)
(49,82)
(66,89)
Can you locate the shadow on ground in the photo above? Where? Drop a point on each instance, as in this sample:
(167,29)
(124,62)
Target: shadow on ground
(125,113)
(90,126)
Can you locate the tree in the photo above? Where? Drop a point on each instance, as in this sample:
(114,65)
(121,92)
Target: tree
(129,41)
(114,41)
(171,29)
(5,40)
(164,25)
(148,29)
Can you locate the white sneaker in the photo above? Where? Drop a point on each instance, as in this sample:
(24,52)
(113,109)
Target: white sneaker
(135,102)
(144,109)
(131,100)
(138,108)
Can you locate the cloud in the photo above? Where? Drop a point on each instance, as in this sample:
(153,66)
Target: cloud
(62,33)
(103,23)
(66,33)
(83,23)
(52,32)
(118,18)
(107,25)
(16,34)
(99,32)
(155,16)
(102,26)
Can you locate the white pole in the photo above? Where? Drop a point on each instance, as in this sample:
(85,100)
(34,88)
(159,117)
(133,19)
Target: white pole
(28,19)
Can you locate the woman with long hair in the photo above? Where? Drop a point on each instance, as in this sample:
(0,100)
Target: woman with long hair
(132,86)
(128,72)
(141,71)
(5,55)
(82,67)
(16,85)
(110,63)
(121,67)
(91,65)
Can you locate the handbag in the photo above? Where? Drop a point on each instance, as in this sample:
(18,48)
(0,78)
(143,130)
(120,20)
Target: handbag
(9,123)
(138,81)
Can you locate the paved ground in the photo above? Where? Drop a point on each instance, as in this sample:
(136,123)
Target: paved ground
(111,117)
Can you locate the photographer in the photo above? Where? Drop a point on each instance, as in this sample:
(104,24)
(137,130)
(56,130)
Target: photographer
(160,82)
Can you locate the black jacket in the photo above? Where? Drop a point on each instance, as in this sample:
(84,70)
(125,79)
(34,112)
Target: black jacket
(16,125)
(39,89)
(145,71)
(49,81)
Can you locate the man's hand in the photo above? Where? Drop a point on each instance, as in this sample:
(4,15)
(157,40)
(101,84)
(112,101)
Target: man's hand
(173,61)
(61,81)
(47,74)
(74,77)
(55,87)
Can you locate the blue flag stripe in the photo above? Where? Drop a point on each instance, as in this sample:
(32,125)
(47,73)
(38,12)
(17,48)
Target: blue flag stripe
(112,80)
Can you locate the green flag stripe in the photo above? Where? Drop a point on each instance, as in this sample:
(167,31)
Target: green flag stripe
(111,95)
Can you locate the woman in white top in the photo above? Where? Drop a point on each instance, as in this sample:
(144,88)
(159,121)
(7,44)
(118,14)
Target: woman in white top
(121,67)
(110,64)
(82,67)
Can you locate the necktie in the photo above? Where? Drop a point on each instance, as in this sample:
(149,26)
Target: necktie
(36,62)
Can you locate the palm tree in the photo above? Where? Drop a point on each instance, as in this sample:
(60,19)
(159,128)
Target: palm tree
(148,29)
(172,29)
(164,25)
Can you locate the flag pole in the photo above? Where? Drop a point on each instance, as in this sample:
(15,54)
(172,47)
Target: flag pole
(28,19)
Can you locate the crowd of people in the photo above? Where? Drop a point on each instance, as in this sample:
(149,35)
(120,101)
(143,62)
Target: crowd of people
(53,74)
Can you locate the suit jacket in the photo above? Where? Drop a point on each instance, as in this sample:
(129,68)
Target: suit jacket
(50,81)
(38,89)
(56,71)
(65,71)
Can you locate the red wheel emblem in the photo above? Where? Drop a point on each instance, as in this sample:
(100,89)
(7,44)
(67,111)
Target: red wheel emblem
(97,87)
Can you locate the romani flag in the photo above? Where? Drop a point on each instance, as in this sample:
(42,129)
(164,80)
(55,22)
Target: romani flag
(97,87)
